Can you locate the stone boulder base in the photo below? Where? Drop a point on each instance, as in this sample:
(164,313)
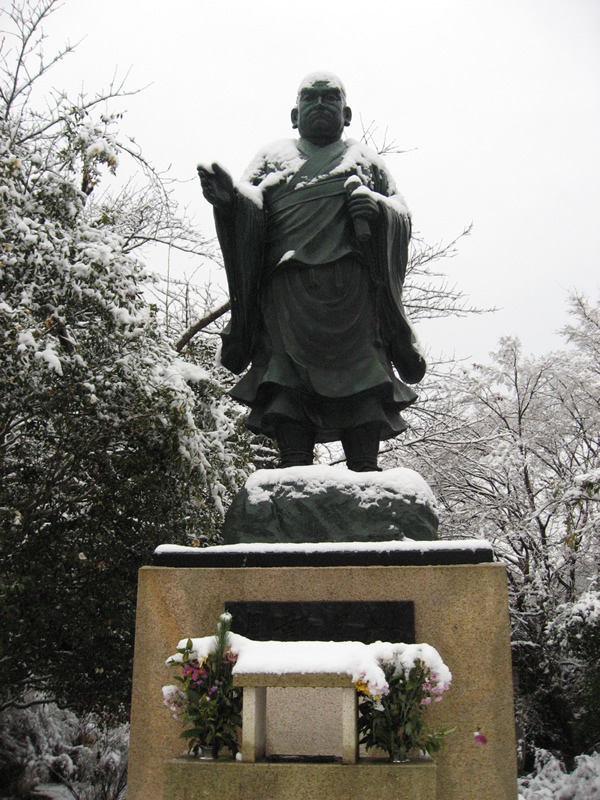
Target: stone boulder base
(331,504)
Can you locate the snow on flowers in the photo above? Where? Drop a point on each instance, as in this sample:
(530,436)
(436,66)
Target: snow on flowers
(362,662)
(415,677)
(205,699)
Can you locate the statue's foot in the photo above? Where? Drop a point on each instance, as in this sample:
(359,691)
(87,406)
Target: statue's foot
(295,462)
(363,466)
(296,444)
(361,446)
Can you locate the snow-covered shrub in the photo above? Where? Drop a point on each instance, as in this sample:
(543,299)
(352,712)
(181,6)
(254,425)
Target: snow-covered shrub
(574,637)
(29,738)
(44,744)
(95,766)
(549,781)
(110,442)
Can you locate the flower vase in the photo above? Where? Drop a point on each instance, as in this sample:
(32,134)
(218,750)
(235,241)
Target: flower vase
(205,752)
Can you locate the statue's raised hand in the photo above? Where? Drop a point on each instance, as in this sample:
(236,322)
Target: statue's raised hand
(217,186)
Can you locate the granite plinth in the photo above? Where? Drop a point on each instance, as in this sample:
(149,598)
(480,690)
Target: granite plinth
(461,610)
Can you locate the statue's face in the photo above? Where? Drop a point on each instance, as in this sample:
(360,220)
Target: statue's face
(321,113)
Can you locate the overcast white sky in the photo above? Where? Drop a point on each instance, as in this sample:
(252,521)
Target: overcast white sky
(497,102)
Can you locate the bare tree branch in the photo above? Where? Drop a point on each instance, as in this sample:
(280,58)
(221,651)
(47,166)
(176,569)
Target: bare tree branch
(201,324)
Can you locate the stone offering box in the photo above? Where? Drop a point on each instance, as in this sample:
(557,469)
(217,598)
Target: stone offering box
(448,594)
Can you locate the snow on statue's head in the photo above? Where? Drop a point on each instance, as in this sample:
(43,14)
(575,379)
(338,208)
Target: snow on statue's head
(321,113)
(322,76)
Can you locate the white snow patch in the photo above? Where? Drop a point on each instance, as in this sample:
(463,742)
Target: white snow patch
(26,340)
(368,487)
(280,160)
(189,372)
(287,256)
(101,147)
(550,782)
(169,691)
(49,356)
(362,662)
(406,545)
(53,791)
(283,160)
(322,76)
(253,193)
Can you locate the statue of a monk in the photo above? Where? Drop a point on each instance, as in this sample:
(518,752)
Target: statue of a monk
(315,242)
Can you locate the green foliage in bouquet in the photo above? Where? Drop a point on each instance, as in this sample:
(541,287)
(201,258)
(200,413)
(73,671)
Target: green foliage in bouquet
(205,699)
(394,722)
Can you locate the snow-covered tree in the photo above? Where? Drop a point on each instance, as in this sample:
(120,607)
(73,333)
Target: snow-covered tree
(512,451)
(109,441)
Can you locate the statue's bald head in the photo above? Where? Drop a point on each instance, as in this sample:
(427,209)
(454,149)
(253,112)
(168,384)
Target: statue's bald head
(321,77)
(321,112)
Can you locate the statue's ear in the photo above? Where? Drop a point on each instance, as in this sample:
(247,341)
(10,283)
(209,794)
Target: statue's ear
(347,115)
(295,117)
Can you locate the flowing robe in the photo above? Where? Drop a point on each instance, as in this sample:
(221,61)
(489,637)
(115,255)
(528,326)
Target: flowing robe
(317,313)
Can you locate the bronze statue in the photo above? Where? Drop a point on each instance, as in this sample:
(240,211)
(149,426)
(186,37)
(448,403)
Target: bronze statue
(315,243)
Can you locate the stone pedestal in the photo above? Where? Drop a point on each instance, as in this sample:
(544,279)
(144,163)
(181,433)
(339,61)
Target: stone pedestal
(186,780)
(461,610)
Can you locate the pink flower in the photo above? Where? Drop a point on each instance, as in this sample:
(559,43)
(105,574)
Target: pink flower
(479,737)
(433,676)
(426,701)
(437,689)
(426,686)
(438,699)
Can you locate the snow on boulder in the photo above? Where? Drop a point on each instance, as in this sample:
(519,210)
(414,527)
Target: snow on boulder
(329,504)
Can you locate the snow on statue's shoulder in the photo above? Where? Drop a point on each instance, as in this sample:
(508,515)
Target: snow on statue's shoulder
(273,163)
(358,160)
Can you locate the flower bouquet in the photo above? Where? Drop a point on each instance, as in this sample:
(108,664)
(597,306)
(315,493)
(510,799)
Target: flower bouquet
(393,720)
(204,698)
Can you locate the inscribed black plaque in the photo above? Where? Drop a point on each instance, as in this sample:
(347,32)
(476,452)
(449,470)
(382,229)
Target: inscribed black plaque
(390,621)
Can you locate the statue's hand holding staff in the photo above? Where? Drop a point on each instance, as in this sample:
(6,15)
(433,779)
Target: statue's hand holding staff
(217,185)
(362,206)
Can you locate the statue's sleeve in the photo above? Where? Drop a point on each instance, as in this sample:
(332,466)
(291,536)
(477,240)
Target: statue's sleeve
(389,259)
(241,232)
